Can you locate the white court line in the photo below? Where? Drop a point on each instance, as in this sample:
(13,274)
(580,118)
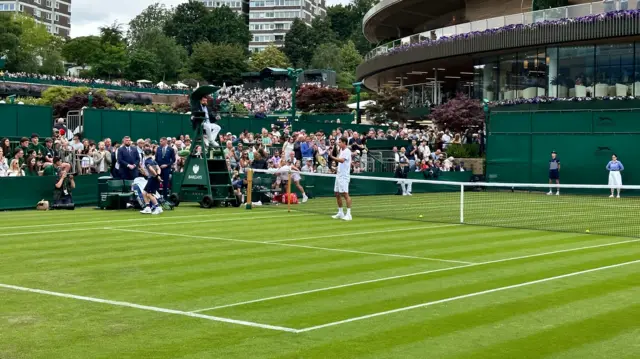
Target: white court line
(141,219)
(470,295)
(289,245)
(360,233)
(413,275)
(149,308)
(155,224)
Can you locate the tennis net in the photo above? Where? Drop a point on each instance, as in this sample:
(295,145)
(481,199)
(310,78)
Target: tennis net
(577,208)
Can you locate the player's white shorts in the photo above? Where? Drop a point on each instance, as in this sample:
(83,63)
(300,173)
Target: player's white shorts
(341,185)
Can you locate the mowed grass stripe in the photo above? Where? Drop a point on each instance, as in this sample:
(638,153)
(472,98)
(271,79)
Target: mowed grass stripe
(319,308)
(456,327)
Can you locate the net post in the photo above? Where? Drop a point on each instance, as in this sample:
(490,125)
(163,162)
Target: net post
(249,188)
(462,204)
(289,192)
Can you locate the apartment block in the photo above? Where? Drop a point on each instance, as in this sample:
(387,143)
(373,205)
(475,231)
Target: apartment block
(54,14)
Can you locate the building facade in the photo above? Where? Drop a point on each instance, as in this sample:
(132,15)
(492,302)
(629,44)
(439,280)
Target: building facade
(54,14)
(269,20)
(504,51)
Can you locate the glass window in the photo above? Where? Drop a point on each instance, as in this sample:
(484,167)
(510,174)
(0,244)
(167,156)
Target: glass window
(486,79)
(508,80)
(614,69)
(557,86)
(576,68)
(532,77)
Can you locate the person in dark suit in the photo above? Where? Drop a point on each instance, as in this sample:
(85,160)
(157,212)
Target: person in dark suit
(115,167)
(128,160)
(165,157)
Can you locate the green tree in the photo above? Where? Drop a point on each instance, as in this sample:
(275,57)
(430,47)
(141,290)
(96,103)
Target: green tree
(112,34)
(81,50)
(271,56)
(343,21)
(143,64)
(350,58)
(321,32)
(224,26)
(188,24)
(52,61)
(10,32)
(218,63)
(326,57)
(388,105)
(36,46)
(298,44)
(150,22)
(111,61)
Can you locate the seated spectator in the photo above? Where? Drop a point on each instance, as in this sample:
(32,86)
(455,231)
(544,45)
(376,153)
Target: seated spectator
(15,169)
(308,167)
(4,166)
(259,163)
(276,158)
(63,187)
(32,169)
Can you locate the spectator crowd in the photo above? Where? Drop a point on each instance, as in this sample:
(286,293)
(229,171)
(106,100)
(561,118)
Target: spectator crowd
(258,99)
(23,76)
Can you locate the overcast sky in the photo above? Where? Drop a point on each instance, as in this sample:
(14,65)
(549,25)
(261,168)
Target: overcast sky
(88,15)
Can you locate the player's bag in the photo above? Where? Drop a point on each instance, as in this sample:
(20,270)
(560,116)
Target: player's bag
(291,198)
(43,205)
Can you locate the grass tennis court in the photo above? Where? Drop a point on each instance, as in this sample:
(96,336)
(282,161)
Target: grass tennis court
(232,283)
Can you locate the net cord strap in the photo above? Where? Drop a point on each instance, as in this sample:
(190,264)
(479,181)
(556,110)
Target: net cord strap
(465,184)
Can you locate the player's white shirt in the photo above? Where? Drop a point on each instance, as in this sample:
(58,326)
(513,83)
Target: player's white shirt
(140,181)
(344,168)
(283,172)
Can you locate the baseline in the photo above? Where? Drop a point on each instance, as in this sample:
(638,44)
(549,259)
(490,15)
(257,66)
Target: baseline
(149,308)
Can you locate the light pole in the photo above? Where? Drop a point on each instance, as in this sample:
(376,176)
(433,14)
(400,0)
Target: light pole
(293,75)
(358,87)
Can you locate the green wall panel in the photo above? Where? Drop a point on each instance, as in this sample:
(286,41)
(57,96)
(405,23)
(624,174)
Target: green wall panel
(169,125)
(510,122)
(35,119)
(116,125)
(616,122)
(93,125)
(509,157)
(565,122)
(9,120)
(144,125)
(15,197)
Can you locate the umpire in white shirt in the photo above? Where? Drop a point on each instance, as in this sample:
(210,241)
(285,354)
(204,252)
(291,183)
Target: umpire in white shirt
(211,128)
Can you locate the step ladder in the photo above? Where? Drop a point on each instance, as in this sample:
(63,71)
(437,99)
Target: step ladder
(207,179)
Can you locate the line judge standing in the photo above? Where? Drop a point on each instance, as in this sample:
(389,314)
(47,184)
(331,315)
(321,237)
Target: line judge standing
(615,179)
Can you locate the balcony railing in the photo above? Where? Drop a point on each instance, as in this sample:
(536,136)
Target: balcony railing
(525,18)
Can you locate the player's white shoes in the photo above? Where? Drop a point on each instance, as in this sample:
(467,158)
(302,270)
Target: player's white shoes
(156,211)
(304,198)
(558,193)
(347,218)
(611,196)
(618,196)
(549,193)
(338,216)
(146,210)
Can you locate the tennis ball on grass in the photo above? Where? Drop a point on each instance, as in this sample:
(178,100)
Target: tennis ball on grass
(420,216)
(587,231)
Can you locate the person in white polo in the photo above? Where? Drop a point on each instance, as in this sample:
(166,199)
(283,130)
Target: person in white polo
(341,187)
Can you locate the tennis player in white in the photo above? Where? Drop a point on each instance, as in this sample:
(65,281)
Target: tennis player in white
(341,187)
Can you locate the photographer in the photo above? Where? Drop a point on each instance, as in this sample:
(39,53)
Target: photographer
(62,191)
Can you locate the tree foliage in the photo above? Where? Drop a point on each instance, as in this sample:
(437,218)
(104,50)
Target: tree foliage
(192,23)
(143,64)
(298,44)
(458,114)
(324,57)
(271,56)
(322,100)
(218,63)
(149,23)
(82,50)
(388,105)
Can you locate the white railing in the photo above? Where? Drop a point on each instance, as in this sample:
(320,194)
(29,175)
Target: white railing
(526,18)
